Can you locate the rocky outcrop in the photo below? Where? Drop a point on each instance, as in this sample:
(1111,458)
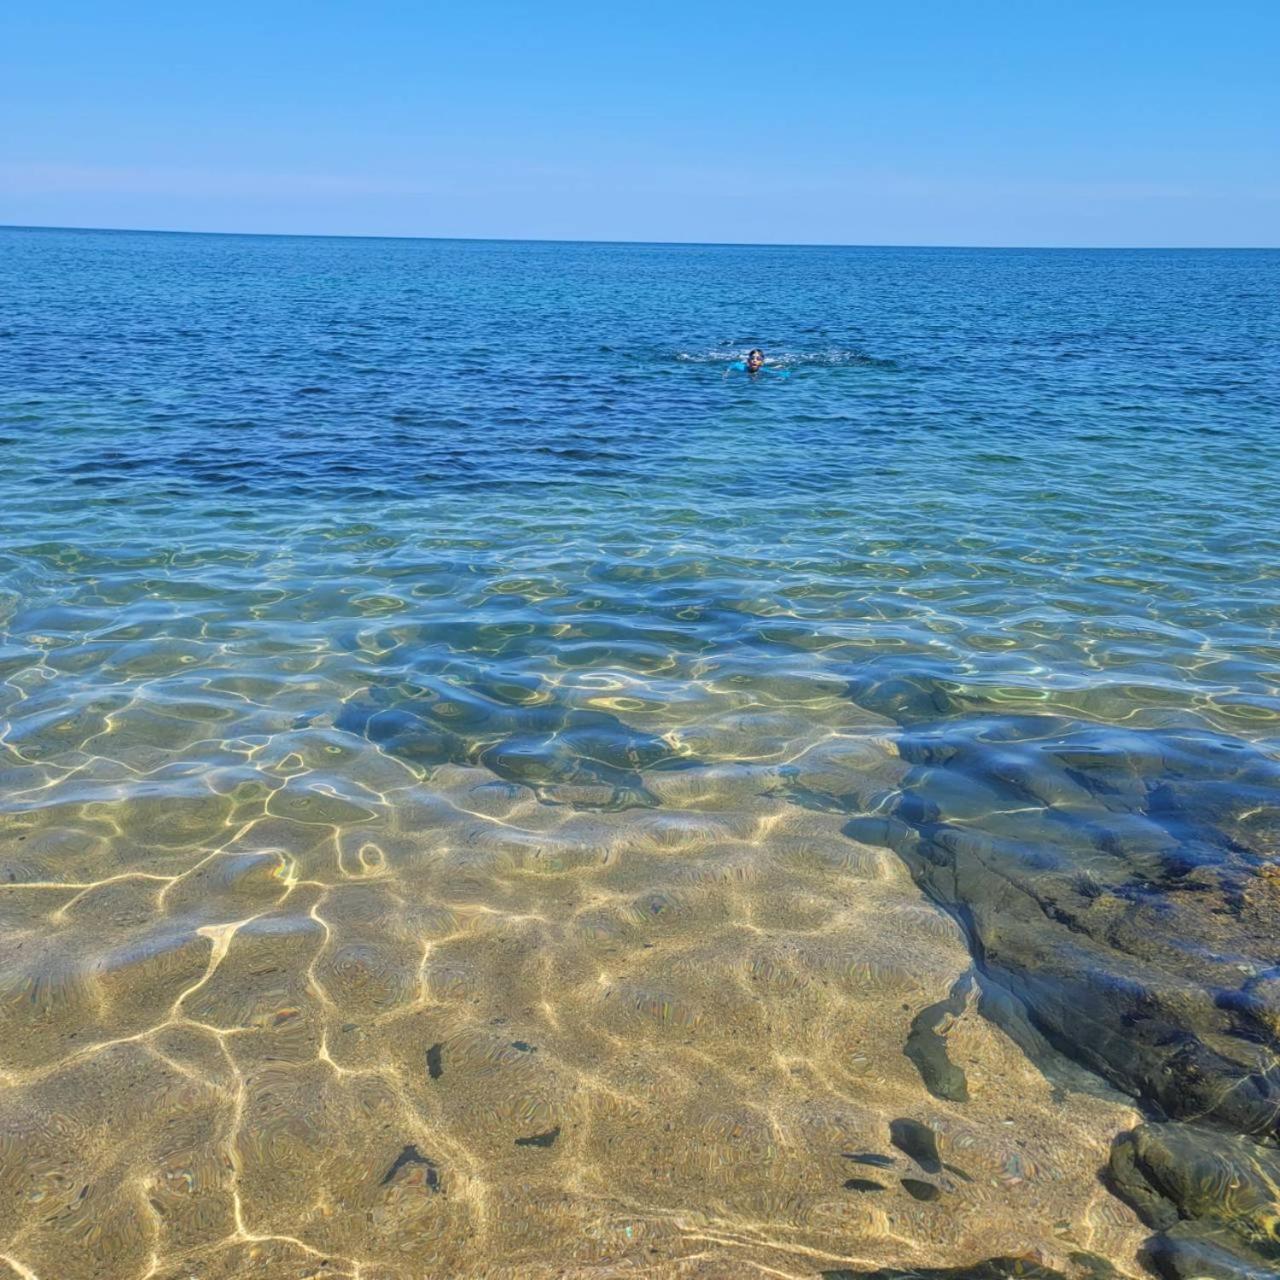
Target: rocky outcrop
(1124,887)
(1212,1197)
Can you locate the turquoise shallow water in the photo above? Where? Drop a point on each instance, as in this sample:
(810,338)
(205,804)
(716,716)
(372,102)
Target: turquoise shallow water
(446,572)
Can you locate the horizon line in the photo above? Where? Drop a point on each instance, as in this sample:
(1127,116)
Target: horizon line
(692,244)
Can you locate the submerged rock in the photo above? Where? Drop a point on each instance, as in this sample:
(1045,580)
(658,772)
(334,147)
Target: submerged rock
(918,1141)
(918,1189)
(1135,932)
(411,1159)
(527,738)
(1214,1197)
(547,1139)
(927,1046)
(991,1269)
(435,1066)
(1191,1251)
(1122,887)
(863,1184)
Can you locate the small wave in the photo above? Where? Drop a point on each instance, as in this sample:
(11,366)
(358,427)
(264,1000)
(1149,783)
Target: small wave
(708,357)
(837,357)
(791,359)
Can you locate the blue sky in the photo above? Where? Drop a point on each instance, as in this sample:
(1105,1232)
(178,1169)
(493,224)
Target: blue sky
(1046,122)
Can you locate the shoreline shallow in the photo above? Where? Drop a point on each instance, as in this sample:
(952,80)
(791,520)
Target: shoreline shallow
(591,1024)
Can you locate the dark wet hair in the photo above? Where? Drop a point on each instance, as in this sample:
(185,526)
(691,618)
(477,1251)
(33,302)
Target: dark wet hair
(755,351)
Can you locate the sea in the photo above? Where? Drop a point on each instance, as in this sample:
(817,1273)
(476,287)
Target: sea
(486,789)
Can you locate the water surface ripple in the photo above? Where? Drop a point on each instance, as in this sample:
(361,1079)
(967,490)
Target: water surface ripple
(483,793)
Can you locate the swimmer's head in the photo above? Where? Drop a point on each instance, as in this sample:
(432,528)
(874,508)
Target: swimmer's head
(755,359)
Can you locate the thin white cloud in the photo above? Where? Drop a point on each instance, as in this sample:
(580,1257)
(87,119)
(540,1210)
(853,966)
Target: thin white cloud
(143,180)
(51,179)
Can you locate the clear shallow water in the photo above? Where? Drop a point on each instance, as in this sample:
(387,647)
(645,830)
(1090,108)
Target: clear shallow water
(484,793)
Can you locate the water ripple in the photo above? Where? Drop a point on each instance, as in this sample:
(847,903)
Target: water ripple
(484,792)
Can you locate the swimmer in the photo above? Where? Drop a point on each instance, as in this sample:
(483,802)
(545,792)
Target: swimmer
(754,363)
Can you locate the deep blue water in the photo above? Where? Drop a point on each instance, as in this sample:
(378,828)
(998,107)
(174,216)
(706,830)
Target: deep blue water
(497,506)
(1042,476)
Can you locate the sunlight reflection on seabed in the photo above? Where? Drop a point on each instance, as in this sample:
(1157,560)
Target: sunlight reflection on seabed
(404,1019)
